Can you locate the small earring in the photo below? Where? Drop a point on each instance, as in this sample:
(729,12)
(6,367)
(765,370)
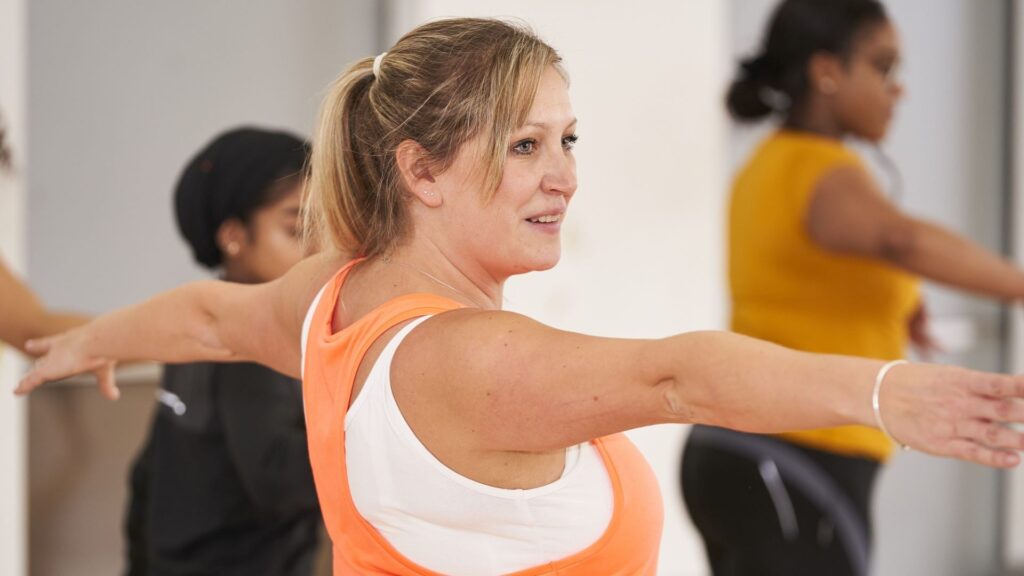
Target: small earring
(827,86)
(428,192)
(233,249)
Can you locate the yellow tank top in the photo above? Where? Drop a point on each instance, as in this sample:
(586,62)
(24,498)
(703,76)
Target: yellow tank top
(787,290)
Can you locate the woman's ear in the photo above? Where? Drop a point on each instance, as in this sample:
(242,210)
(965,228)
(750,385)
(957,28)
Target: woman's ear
(232,238)
(824,73)
(413,165)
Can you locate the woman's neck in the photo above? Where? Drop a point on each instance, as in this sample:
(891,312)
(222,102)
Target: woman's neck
(465,282)
(815,119)
(232,274)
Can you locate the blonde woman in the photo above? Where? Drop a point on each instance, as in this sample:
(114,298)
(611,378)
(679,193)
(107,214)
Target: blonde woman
(449,436)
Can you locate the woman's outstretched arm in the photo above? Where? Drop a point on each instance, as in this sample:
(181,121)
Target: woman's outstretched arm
(521,386)
(848,214)
(208,320)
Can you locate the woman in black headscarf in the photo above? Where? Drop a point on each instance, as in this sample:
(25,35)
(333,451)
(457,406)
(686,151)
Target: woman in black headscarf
(223,485)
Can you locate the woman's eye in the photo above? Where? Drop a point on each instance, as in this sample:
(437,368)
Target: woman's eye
(524,147)
(887,68)
(569,142)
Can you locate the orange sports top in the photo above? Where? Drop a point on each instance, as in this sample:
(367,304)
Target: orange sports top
(628,547)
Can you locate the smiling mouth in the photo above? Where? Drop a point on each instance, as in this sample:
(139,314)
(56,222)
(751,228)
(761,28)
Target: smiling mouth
(549,219)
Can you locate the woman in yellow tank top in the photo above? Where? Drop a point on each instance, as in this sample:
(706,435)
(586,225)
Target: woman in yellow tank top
(821,261)
(446,164)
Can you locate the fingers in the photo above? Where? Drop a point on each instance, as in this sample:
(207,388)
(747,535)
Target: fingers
(974,452)
(28,383)
(996,385)
(107,383)
(999,410)
(991,434)
(39,346)
(46,370)
(40,374)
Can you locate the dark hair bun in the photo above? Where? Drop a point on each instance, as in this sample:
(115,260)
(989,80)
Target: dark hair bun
(776,80)
(746,97)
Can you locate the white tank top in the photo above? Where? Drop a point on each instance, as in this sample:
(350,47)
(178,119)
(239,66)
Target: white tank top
(434,516)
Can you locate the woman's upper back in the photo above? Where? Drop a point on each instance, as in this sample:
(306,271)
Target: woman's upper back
(788,290)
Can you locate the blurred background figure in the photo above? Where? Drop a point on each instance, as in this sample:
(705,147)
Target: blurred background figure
(22,315)
(223,484)
(820,259)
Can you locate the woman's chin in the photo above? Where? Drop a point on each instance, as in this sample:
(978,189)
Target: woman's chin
(538,263)
(547,265)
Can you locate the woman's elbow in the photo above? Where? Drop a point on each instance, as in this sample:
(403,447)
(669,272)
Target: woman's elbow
(900,243)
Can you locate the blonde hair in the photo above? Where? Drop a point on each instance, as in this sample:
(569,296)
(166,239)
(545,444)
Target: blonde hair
(441,85)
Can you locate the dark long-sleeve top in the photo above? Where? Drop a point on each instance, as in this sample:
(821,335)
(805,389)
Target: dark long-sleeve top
(224,485)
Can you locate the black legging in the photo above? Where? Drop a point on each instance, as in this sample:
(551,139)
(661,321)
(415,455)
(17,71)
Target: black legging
(767,507)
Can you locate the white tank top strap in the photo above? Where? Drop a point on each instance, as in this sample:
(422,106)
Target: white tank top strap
(375,380)
(307,323)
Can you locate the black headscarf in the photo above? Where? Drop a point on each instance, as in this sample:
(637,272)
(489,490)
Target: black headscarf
(230,178)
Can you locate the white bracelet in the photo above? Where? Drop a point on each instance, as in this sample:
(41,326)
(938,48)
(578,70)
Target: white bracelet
(877,408)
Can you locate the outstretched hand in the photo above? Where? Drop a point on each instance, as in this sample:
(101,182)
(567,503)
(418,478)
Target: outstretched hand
(63,356)
(954,412)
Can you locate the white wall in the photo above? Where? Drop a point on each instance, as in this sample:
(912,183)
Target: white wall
(932,516)
(13,494)
(643,240)
(124,92)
